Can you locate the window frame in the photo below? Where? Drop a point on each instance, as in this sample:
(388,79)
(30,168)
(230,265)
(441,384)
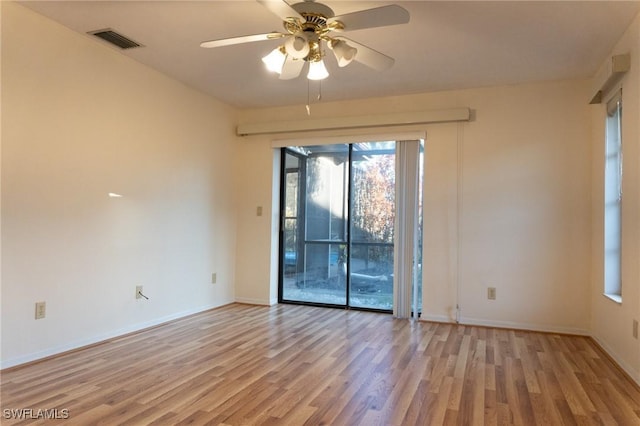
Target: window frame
(613,198)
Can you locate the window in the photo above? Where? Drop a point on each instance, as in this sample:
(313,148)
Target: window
(613,199)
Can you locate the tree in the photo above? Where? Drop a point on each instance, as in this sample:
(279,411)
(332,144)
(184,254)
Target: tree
(374,199)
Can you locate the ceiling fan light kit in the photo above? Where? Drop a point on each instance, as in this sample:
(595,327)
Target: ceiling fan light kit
(274,61)
(343,52)
(297,46)
(317,71)
(308,26)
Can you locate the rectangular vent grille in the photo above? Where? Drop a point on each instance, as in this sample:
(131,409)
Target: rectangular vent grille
(115,38)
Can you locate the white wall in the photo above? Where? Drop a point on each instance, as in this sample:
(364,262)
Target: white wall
(508,199)
(255,278)
(523,206)
(80,120)
(612,322)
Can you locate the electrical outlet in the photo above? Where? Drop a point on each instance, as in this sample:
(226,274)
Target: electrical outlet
(491,293)
(259,211)
(214,278)
(138,292)
(635,329)
(41,310)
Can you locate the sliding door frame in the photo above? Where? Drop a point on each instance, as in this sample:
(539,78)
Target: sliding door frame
(302,242)
(284,146)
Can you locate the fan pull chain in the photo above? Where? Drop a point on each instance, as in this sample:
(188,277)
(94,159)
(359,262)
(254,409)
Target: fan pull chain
(308,97)
(319,97)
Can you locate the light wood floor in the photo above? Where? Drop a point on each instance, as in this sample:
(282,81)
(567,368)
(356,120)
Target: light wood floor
(295,365)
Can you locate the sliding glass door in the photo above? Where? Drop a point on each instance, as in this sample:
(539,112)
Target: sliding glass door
(337,222)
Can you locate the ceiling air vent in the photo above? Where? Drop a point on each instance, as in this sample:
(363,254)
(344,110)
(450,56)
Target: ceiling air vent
(115,38)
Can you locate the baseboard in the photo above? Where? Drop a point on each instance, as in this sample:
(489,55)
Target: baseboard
(525,326)
(251,301)
(507,324)
(436,318)
(78,344)
(633,374)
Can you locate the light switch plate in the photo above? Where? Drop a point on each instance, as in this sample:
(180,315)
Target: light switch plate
(491,293)
(41,310)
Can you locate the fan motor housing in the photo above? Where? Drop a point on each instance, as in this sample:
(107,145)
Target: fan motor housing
(315,14)
(313,8)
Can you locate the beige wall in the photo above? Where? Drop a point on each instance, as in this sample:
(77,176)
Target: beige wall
(514,213)
(511,211)
(80,120)
(253,272)
(612,322)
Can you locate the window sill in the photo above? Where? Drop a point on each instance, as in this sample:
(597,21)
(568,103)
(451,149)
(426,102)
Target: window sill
(614,297)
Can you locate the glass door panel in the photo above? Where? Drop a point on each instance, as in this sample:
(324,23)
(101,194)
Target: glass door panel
(371,276)
(372,225)
(323,279)
(292,237)
(315,272)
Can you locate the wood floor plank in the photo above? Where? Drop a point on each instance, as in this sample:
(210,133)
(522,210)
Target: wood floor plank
(297,365)
(490,410)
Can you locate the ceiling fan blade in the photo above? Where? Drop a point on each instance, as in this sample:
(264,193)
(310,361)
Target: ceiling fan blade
(292,68)
(241,39)
(369,57)
(372,18)
(281,9)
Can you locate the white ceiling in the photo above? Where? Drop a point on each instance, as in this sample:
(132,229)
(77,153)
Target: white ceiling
(446,45)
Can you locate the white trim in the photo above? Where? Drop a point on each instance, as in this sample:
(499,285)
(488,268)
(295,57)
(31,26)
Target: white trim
(405,227)
(356,122)
(274,250)
(610,73)
(525,326)
(459,214)
(437,318)
(613,297)
(507,324)
(633,374)
(252,301)
(334,140)
(79,344)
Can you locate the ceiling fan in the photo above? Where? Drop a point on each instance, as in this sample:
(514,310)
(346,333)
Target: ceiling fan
(308,25)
